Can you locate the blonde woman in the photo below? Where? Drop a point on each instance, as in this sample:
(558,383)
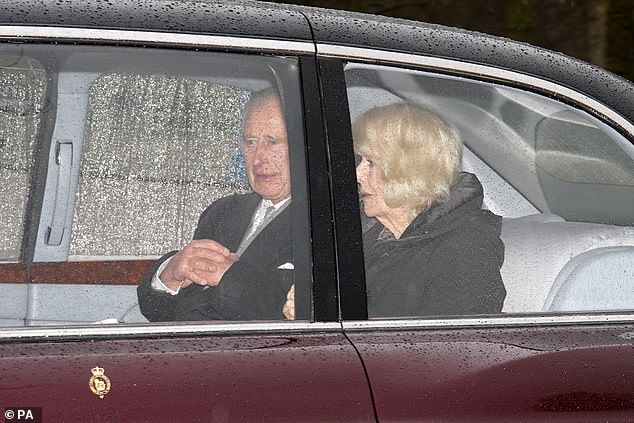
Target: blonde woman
(432,249)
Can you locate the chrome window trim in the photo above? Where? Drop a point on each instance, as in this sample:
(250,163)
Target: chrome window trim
(39,33)
(25,334)
(489,322)
(29,334)
(465,68)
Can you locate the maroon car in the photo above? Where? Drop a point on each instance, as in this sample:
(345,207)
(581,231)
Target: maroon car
(122,121)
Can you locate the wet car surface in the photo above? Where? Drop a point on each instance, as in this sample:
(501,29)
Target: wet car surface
(113,110)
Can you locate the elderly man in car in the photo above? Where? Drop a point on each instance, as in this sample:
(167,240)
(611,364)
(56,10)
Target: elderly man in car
(239,264)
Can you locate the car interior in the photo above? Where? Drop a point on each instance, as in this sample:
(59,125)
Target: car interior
(562,180)
(158,143)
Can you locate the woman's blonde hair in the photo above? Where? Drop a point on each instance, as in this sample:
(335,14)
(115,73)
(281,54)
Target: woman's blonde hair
(418,153)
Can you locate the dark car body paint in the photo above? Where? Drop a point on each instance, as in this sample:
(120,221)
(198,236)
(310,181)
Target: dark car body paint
(299,23)
(247,18)
(275,378)
(501,374)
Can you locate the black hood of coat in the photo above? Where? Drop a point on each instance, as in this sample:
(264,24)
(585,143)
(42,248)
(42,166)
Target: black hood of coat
(447,261)
(465,197)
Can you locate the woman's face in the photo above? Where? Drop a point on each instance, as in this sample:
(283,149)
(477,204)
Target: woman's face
(371,186)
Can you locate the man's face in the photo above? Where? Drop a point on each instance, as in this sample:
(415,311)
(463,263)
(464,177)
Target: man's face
(265,150)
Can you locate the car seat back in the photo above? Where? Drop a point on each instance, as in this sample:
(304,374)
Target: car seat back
(599,279)
(539,247)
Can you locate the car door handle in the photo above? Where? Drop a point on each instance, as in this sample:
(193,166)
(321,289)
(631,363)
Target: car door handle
(64,160)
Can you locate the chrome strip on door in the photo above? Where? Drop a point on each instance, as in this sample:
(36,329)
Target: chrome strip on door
(490,321)
(38,33)
(24,334)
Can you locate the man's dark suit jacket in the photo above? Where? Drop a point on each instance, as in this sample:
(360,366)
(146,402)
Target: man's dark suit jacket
(253,288)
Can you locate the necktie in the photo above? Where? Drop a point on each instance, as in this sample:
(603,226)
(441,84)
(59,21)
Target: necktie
(255,230)
(267,214)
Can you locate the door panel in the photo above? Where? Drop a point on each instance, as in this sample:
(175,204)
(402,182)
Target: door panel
(153,143)
(301,377)
(511,375)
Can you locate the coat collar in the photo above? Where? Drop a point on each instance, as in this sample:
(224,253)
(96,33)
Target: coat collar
(465,196)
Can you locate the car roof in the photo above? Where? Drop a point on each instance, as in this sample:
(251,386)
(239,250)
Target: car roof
(237,18)
(399,35)
(332,27)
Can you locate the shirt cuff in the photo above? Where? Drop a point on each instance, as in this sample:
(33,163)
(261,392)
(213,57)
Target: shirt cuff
(158,285)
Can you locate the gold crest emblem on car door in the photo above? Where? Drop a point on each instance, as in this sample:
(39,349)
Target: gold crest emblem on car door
(99,382)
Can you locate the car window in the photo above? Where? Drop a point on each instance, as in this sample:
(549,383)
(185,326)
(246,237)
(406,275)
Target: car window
(145,155)
(557,212)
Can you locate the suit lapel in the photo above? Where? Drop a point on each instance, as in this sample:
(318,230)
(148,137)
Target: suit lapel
(233,227)
(274,241)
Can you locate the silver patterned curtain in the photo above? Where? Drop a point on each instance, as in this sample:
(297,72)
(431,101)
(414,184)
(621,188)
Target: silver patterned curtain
(22,102)
(157,151)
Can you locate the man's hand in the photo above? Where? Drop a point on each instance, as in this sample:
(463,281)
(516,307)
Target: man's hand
(202,262)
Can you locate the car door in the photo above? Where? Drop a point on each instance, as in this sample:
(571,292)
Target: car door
(125,141)
(558,166)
